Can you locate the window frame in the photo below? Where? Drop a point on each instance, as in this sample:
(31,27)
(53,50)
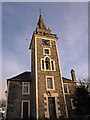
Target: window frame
(72,105)
(46,49)
(23,88)
(53,84)
(53,65)
(67,88)
(41,64)
(50,64)
(28,108)
(46,45)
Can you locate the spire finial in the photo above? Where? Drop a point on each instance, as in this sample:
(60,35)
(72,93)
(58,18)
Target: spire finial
(40,11)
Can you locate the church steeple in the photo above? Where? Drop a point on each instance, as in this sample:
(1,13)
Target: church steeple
(42,31)
(41,24)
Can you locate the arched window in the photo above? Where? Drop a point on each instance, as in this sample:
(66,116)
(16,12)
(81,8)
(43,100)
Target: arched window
(47,63)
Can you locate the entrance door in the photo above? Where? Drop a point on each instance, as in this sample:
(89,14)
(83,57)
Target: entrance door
(25,110)
(52,109)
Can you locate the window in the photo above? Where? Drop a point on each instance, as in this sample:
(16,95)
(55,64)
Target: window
(43,33)
(52,65)
(45,42)
(66,88)
(25,87)
(46,51)
(47,62)
(72,104)
(50,83)
(42,64)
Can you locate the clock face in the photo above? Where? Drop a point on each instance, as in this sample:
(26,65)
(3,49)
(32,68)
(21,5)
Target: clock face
(46,42)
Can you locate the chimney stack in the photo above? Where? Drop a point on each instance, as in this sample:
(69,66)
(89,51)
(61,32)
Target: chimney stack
(73,75)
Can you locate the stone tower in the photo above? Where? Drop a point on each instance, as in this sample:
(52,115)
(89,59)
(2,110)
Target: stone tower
(47,92)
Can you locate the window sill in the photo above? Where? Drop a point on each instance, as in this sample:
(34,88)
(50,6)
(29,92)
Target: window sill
(47,70)
(51,89)
(25,93)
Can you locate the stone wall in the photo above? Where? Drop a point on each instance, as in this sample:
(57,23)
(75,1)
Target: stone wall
(71,88)
(15,97)
(42,79)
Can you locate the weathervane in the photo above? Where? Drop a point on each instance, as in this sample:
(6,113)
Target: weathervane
(40,11)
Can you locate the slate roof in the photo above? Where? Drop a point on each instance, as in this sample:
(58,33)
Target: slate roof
(25,76)
(66,80)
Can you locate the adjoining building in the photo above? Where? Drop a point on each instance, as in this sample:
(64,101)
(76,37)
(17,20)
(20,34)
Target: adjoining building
(43,92)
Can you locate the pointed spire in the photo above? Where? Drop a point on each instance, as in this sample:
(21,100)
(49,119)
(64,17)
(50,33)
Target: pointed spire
(41,24)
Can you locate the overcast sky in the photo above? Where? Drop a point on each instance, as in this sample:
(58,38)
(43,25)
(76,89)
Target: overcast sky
(68,20)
